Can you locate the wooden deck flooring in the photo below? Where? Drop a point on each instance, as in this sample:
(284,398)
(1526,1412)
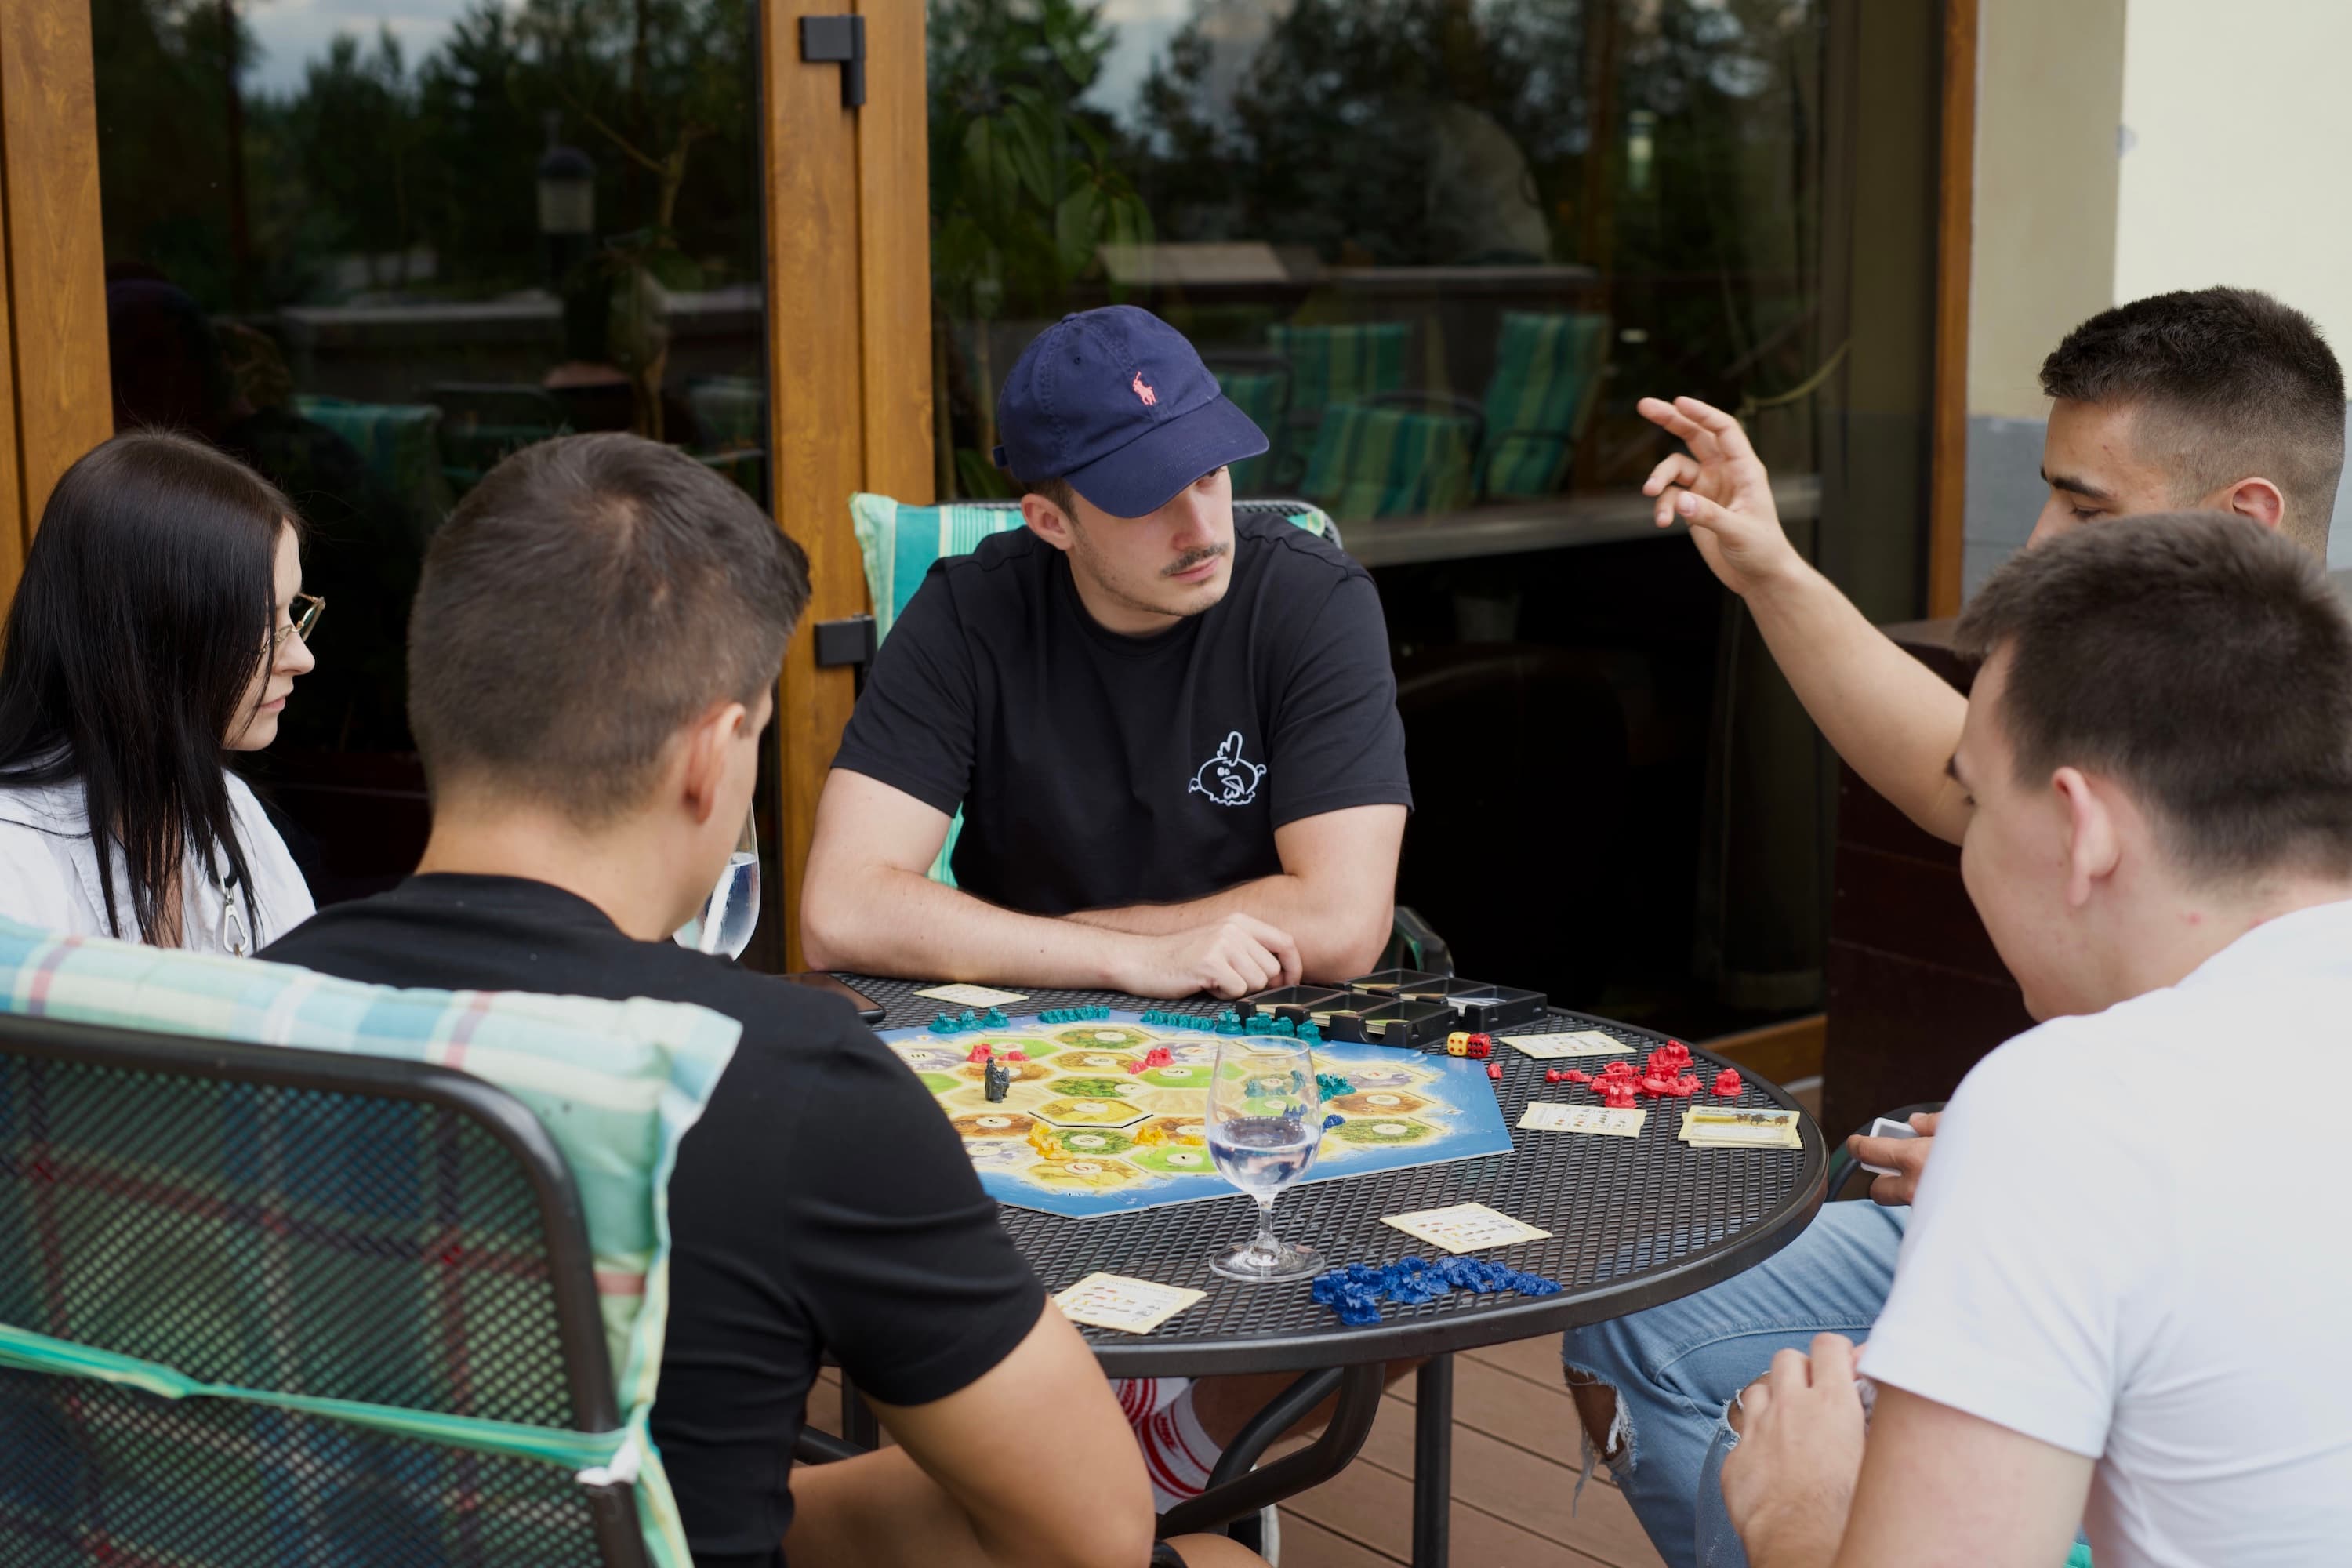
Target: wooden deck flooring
(1515,1467)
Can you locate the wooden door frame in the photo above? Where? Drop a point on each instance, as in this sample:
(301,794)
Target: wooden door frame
(53,384)
(849,345)
(1955,237)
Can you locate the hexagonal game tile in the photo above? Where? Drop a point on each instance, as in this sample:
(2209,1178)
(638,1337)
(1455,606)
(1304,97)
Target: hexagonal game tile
(1092,1175)
(993,1124)
(1090,1113)
(1378,1102)
(1381,1131)
(1093,1087)
(1175,1160)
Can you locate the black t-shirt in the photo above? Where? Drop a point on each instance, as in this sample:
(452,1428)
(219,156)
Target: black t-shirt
(821,1203)
(1097,770)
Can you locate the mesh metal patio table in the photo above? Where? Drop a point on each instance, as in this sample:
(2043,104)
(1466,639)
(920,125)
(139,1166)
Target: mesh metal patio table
(1634,1222)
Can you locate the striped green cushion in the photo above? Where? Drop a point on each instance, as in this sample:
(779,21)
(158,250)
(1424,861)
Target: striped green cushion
(1390,462)
(899,543)
(1346,364)
(1547,371)
(616,1085)
(1264,396)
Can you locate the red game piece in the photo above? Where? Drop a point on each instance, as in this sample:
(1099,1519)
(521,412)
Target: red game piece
(1576,1075)
(1495,1071)
(1016,1056)
(1551,1075)
(1726,1082)
(980,1053)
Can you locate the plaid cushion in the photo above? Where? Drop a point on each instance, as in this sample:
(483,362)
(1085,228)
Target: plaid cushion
(253,1197)
(1546,373)
(1390,462)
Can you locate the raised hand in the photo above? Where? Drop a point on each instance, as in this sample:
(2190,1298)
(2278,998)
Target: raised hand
(1719,487)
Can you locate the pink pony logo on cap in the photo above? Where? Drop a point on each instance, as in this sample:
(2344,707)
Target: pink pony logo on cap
(1150,398)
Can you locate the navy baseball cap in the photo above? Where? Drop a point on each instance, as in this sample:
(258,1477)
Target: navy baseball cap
(1117,403)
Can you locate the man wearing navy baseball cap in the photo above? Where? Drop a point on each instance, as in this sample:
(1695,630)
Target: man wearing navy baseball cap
(1173,734)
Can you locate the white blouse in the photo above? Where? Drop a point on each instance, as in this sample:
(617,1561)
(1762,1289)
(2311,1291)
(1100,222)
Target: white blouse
(48,874)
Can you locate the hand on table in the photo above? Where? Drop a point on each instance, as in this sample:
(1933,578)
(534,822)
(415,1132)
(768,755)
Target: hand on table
(1908,1156)
(1720,488)
(1229,957)
(1789,1485)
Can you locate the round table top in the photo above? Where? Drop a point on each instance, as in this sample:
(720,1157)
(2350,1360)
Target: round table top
(1634,1222)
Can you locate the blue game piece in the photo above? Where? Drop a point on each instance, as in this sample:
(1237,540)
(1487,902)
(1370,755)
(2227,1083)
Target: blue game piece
(943,1025)
(1284,1027)
(1310,1033)
(1333,1121)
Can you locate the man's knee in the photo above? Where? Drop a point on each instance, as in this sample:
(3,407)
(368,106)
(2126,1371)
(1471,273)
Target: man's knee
(1597,1409)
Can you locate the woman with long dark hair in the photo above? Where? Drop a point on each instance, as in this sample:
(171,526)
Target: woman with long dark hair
(159,626)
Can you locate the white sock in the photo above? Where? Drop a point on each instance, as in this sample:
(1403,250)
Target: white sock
(1141,1398)
(1177,1454)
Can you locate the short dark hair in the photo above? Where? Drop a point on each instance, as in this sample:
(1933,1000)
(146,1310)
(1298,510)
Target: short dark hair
(2200,658)
(145,611)
(2234,384)
(588,598)
(1055,488)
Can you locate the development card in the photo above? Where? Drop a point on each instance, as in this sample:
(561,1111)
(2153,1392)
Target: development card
(1610,1122)
(973,995)
(1885,1128)
(1583,1043)
(1464,1227)
(1130,1306)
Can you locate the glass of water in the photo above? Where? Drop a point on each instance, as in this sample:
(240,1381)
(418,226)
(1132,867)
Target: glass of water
(1264,1123)
(732,908)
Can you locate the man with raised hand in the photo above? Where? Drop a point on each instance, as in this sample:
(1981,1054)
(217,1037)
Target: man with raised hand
(1172,732)
(587,794)
(2221,398)
(2096,1317)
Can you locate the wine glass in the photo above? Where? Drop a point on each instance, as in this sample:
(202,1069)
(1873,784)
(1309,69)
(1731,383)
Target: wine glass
(728,915)
(1264,1123)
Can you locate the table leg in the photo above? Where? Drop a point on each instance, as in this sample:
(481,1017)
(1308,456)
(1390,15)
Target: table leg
(1433,1461)
(859,1426)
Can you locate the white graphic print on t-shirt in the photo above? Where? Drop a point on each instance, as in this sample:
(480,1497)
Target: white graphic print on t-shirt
(1229,778)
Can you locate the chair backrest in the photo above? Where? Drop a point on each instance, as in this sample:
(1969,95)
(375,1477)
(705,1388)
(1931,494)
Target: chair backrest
(287,1227)
(1547,381)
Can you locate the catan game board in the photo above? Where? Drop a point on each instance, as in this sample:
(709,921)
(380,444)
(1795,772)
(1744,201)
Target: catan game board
(1087,1129)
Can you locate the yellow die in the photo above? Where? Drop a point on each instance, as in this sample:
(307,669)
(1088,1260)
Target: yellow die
(1457,1044)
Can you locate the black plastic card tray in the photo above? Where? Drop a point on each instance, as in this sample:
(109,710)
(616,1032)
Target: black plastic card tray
(1393,982)
(1478,1006)
(1413,1025)
(1299,1003)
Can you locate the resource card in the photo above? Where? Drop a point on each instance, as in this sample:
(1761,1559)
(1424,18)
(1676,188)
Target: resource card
(1610,1122)
(1464,1227)
(1583,1043)
(1130,1306)
(1729,1129)
(1885,1128)
(973,995)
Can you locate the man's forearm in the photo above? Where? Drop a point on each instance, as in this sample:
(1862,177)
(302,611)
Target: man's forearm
(1894,720)
(893,922)
(1334,944)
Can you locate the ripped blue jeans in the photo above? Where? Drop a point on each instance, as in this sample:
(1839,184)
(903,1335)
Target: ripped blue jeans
(1675,1367)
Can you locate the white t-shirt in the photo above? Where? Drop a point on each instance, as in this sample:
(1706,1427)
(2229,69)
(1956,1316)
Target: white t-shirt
(48,874)
(2135,1243)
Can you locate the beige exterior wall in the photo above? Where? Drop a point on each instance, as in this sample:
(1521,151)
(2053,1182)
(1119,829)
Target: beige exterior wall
(2236,120)
(2050,92)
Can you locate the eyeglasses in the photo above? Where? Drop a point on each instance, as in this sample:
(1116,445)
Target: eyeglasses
(302,614)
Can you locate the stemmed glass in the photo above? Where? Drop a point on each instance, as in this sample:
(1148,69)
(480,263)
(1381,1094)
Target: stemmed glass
(728,915)
(1264,1123)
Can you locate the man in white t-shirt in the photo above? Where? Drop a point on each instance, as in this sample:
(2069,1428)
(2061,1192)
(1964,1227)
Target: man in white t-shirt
(2124,1284)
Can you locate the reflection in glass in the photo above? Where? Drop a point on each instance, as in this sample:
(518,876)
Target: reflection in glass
(372,264)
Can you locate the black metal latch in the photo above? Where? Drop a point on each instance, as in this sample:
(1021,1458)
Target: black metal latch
(838,40)
(847,641)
